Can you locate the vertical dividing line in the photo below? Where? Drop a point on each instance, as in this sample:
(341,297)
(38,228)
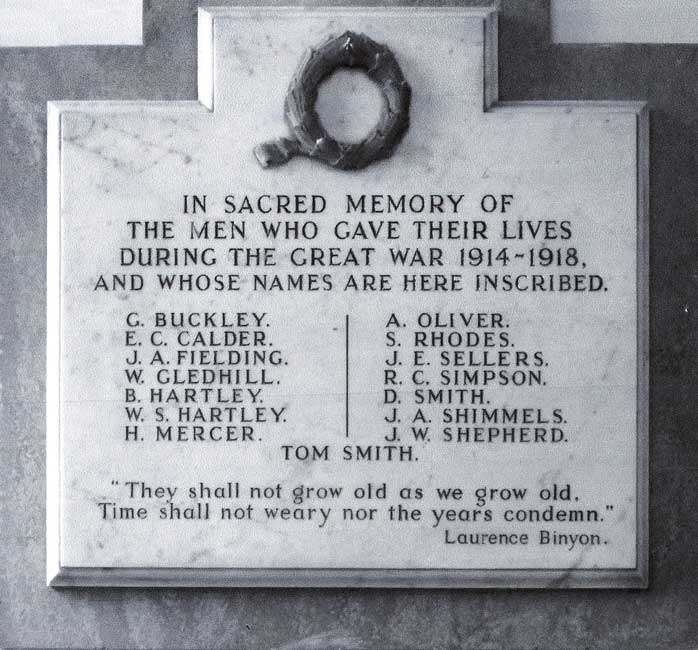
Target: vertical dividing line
(346,375)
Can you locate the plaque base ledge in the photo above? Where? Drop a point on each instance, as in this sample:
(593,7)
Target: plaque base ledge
(353,578)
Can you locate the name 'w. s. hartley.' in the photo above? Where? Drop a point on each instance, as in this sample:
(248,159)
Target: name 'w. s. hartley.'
(347,320)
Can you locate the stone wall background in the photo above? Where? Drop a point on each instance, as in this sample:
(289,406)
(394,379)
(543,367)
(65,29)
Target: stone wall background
(663,617)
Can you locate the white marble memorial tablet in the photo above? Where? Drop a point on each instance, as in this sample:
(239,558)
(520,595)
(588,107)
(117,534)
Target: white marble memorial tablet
(348,320)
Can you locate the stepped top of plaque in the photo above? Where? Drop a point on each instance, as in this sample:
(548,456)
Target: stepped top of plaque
(247,57)
(442,51)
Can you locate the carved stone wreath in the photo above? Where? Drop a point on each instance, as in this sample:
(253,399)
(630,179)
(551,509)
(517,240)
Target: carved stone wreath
(309,138)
